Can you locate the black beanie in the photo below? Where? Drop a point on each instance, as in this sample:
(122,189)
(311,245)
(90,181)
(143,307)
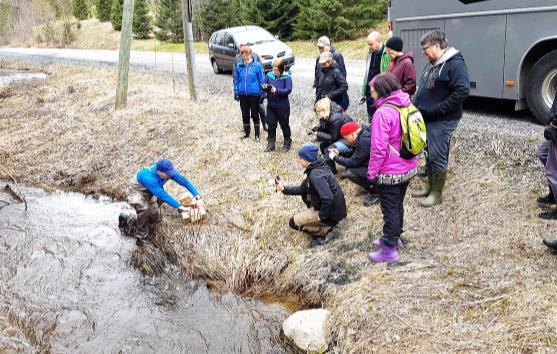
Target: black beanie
(394,43)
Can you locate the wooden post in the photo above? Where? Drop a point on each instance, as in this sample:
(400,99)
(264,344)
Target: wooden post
(190,52)
(124,58)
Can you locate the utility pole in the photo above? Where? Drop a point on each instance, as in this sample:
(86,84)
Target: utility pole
(124,58)
(190,52)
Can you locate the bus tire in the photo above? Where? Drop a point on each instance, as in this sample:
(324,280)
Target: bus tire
(542,86)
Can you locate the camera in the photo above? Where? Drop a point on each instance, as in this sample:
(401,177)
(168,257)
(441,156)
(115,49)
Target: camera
(267,88)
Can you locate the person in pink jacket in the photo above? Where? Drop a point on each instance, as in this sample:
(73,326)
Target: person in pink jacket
(387,170)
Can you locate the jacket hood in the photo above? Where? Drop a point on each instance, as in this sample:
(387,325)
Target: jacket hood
(397,98)
(284,75)
(319,163)
(449,53)
(406,55)
(335,109)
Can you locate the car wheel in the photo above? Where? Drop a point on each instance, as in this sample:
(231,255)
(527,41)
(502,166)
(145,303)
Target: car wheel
(216,68)
(542,86)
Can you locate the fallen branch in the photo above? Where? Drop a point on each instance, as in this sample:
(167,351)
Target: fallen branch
(19,196)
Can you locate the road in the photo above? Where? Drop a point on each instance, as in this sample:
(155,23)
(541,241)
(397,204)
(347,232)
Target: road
(495,116)
(162,61)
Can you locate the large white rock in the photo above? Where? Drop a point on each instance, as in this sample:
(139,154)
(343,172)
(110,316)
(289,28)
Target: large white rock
(305,329)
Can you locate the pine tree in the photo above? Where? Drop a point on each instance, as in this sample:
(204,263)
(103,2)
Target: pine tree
(141,20)
(277,16)
(80,9)
(116,14)
(169,21)
(219,14)
(103,10)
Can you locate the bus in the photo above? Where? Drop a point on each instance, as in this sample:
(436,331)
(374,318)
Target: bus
(510,46)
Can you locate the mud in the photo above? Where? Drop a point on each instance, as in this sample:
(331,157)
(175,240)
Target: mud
(66,285)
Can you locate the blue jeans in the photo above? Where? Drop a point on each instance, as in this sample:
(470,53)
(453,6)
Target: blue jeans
(439,134)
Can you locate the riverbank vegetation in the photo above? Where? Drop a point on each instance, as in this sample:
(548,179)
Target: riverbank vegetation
(473,275)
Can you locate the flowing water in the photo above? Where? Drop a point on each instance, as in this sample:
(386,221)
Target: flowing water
(66,286)
(10,77)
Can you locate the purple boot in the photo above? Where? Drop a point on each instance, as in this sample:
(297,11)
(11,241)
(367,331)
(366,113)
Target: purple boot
(377,242)
(385,254)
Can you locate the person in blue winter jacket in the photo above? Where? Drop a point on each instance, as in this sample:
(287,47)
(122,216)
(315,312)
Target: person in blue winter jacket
(248,78)
(143,192)
(278,86)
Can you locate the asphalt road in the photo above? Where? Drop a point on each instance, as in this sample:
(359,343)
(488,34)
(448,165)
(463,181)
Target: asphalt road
(490,115)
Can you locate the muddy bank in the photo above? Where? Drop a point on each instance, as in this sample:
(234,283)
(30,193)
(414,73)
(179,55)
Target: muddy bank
(66,285)
(473,274)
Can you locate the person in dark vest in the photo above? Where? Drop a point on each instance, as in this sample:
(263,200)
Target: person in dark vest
(322,195)
(377,62)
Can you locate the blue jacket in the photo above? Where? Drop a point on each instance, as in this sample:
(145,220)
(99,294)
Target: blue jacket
(248,79)
(283,84)
(150,179)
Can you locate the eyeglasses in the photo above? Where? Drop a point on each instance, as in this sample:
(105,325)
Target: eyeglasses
(424,49)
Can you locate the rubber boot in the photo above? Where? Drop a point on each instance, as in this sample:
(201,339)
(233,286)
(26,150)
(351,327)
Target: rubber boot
(287,145)
(427,190)
(377,243)
(246,131)
(384,254)
(127,223)
(437,185)
(549,199)
(257,131)
(270,146)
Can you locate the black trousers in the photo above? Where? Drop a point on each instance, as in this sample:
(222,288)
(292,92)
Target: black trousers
(250,107)
(392,207)
(280,116)
(358,175)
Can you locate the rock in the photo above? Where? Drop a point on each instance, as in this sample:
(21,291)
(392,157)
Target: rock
(305,330)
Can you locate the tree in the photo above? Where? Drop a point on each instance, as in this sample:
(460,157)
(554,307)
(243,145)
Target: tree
(104,8)
(116,14)
(277,16)
(219,14)
(169,21)
(141,20)
(80,9)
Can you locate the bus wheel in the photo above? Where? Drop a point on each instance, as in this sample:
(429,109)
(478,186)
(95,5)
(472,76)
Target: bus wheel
(542,86)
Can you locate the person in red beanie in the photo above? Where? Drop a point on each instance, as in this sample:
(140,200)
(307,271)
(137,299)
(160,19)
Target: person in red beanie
(357,160)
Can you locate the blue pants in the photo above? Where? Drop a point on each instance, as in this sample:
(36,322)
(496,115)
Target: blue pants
(341,146)
(439,134)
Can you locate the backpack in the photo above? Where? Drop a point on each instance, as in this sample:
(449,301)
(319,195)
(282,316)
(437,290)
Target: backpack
(414,135)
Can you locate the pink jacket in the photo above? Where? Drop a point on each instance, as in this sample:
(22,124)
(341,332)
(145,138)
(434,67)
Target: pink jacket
(386,136)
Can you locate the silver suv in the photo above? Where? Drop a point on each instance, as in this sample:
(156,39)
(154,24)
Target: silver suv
(224,46)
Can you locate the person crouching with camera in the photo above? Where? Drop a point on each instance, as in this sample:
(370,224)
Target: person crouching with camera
(278,85)
(322,195)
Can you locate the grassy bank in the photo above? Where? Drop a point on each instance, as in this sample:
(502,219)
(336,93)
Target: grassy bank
(473,274)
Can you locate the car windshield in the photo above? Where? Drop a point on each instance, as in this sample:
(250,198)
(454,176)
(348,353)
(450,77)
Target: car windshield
(253,37)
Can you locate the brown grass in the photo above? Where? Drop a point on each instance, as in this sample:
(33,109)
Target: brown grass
(473,275)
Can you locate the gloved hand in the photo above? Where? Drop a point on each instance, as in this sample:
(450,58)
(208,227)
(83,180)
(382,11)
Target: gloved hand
(363,100)
(236,97)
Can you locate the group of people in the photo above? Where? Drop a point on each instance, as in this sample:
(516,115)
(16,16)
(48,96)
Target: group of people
(370,153)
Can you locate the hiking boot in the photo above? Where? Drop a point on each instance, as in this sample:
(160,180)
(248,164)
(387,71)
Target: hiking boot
(371,200)
(437,185)
(139,242)
(270,146)
(548,199)
(257,131)
(427,190)
(550,242)
(548,215)
(377,243)
(126,223)
(384,254)
(247,129)
(287,145)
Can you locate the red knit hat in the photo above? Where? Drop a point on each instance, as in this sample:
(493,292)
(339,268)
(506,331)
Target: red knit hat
(349,128)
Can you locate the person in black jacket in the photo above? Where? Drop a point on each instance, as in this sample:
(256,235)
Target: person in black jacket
(331,82)
(357,160)
(331,119)
(324,45)
(442,89)
(550,134)
(320,192)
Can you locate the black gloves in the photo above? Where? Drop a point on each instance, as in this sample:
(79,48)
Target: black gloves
(236,97)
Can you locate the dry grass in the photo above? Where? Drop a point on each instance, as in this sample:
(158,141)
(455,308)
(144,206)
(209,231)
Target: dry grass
(473,276)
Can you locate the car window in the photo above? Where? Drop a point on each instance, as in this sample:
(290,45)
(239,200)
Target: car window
(252,37)
(228,39)
(219,36)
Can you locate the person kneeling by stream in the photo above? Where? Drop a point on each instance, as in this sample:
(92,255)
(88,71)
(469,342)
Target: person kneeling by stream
(141,191)
(322,195)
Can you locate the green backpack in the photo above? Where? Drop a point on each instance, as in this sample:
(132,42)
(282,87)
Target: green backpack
(414,136)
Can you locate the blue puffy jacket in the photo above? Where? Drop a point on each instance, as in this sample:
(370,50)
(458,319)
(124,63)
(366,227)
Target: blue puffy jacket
(150,179)
(248,79)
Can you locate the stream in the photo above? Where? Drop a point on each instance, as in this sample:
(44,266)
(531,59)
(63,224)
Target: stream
(66,286)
